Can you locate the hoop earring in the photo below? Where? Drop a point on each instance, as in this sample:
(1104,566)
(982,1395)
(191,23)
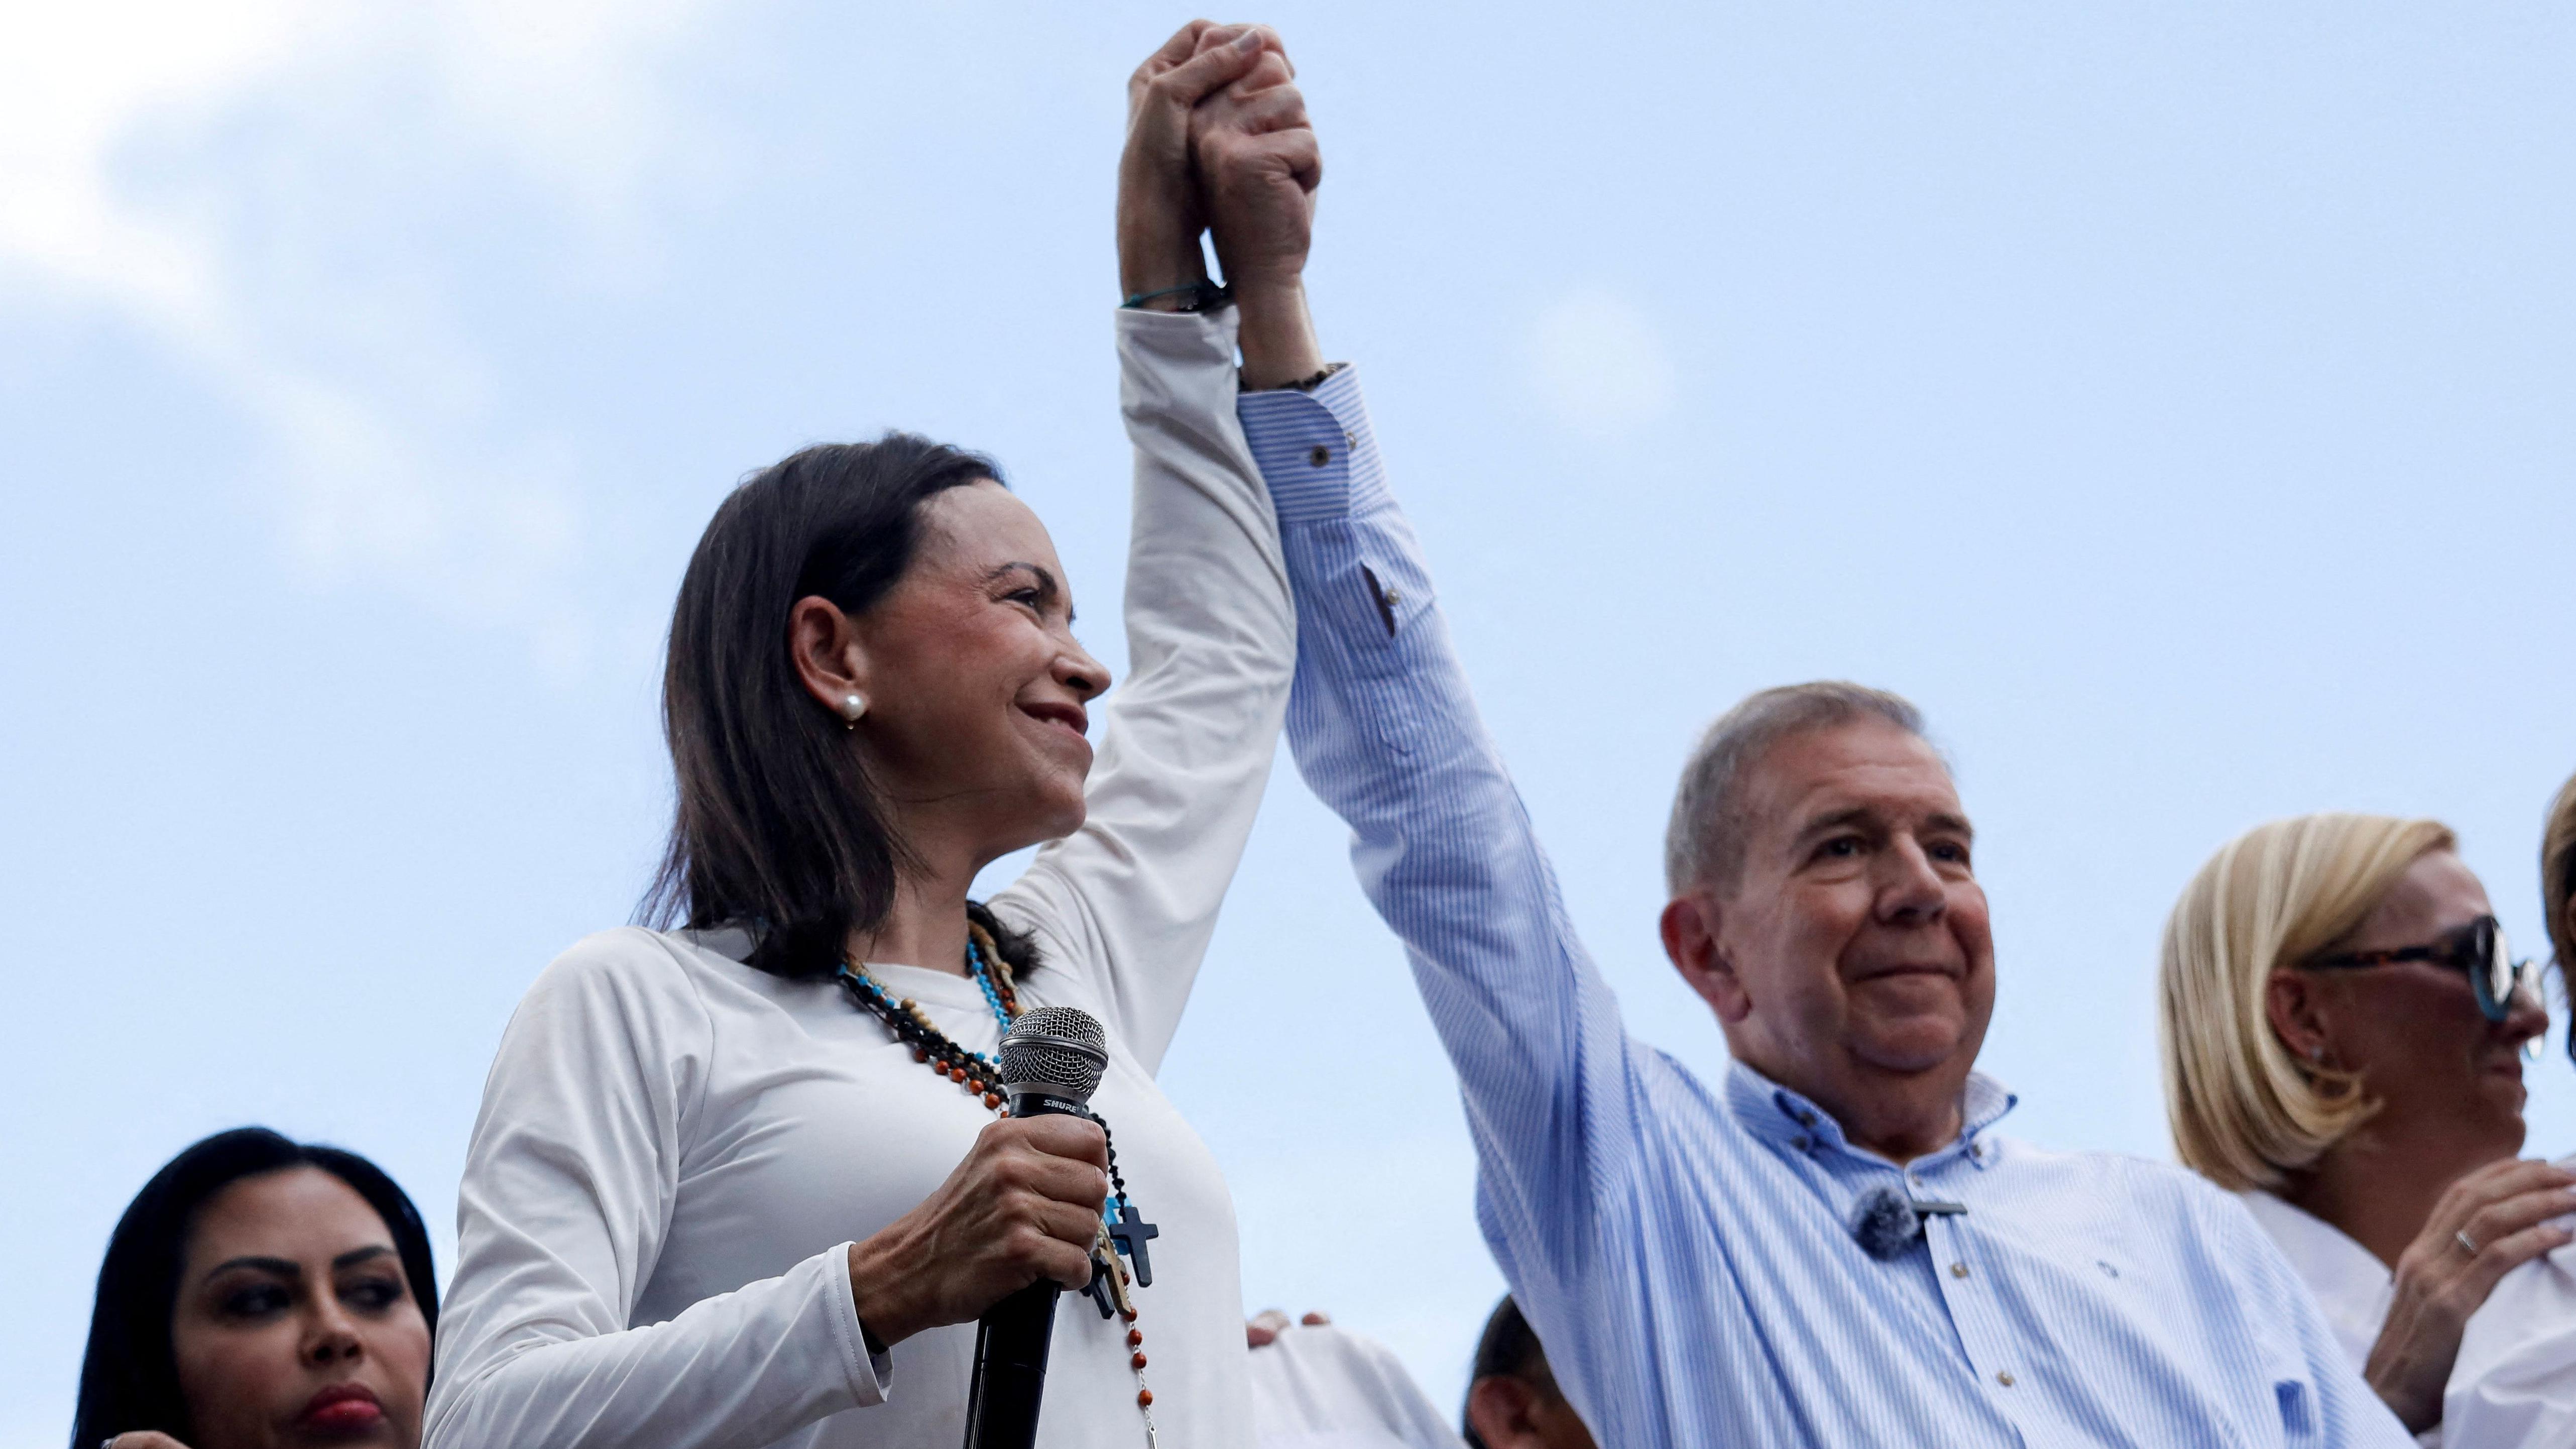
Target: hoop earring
(853,706)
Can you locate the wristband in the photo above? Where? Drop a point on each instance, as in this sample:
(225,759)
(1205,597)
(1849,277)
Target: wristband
(1303,384)
(1204,296)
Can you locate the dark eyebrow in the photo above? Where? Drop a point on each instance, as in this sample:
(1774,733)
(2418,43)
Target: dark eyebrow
(1049,588)
(279,1266)
(285,1268)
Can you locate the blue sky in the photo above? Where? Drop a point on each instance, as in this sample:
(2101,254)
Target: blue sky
(2174,404)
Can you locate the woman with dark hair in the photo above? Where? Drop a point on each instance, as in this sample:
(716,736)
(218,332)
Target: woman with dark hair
(735,1181)
(260,1292)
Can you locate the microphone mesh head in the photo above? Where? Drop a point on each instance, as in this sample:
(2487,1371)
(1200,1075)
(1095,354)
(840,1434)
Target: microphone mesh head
(1056,1045)
(1886,1225)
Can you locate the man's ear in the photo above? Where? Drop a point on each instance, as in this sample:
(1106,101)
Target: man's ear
(2292,1006)
(1501,1409)
(1691,938)
(829,658)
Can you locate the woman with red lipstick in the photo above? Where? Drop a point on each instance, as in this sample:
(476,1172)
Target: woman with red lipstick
(2342,1033)
(739,1181)
(261,1294)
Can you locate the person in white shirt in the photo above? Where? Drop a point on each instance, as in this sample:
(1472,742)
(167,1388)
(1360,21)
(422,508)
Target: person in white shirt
(741,1182)
(1319,1386)
(2342,1024)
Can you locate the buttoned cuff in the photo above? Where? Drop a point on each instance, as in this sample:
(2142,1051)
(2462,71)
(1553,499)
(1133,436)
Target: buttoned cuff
(1315,449)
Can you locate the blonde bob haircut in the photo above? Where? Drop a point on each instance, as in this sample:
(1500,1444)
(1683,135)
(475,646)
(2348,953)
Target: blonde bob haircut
(2246,1111)
(2558,876)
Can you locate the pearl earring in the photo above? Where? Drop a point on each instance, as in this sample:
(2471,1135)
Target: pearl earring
(852,706)
(2317,1054)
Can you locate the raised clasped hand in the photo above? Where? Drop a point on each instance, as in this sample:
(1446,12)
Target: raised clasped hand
(1162,208)
(1259,164)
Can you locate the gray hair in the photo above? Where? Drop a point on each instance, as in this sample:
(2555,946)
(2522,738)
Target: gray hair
(1705,841)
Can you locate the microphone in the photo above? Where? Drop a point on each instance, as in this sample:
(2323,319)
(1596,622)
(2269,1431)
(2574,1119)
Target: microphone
(1051,1061)
(1889,1223)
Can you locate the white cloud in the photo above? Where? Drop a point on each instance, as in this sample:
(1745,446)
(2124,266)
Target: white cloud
(292,262)
(1599,365)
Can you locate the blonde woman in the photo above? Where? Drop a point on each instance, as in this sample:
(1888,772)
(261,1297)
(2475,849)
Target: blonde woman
(2342,1028)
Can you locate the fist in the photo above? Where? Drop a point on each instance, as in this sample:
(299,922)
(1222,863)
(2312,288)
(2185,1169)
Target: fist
(1161,210)
(1258,166)
(1024,1205)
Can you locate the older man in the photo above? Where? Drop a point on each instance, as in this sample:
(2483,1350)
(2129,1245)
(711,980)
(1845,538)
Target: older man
(1830,1244)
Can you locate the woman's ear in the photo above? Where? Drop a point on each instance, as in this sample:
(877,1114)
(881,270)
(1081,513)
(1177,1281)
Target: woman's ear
(1690,930)
(829,658)
(2296,1015)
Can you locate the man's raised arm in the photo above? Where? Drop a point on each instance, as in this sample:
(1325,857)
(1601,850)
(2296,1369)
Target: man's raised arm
(1386,732)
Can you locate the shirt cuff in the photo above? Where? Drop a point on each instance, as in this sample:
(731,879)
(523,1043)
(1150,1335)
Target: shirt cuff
(871,1374)
(1315,450)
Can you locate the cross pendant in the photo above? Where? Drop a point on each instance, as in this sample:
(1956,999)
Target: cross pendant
(1131,1233)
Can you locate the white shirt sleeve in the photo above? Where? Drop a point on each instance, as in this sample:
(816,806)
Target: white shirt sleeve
(567,1193)
(2513,1385)
(1187,740)
(1320,1387)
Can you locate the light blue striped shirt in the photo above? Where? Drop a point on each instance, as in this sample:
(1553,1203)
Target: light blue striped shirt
(1680,1246)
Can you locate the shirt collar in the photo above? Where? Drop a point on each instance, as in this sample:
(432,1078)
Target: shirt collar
(1777,1114)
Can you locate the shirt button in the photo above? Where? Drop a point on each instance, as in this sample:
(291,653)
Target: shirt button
(1320,456)
(1958,1270)
(2005,1378)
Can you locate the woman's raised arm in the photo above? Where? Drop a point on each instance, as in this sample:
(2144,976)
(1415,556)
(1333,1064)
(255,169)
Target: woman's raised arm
(1188,740)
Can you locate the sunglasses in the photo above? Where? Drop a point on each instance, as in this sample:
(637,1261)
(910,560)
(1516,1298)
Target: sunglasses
(2477,949)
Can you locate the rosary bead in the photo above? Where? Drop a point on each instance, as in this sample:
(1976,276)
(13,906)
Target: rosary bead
(992,1099)
(1135,1338)
(1144,1398)
(1136,1362)
(1127,1313)
(919,1055)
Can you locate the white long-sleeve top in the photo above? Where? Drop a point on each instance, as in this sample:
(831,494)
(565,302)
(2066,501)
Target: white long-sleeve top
(675,1150)
(2513,1383)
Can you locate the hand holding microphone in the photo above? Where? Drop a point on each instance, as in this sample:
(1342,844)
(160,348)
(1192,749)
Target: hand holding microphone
(1050,1063)
(1024,1206)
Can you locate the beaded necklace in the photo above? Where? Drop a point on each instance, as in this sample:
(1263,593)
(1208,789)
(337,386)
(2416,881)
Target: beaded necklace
(1124,1233)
